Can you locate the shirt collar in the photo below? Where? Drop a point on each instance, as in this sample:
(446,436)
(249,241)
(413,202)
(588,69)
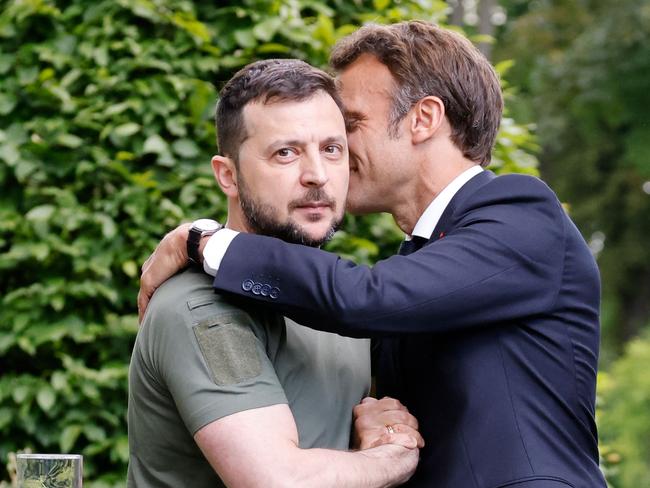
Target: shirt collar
(429,219)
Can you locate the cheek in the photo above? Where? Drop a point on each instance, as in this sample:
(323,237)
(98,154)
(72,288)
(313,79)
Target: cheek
(340,180)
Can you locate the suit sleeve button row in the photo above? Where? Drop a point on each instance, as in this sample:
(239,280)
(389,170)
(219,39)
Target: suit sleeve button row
(263,289)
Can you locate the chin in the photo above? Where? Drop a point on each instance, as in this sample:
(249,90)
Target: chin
(315,235)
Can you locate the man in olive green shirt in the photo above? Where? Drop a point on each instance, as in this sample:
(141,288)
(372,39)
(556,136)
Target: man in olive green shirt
(226,396)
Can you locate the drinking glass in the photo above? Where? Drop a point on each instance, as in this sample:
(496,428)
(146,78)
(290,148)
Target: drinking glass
(49,470)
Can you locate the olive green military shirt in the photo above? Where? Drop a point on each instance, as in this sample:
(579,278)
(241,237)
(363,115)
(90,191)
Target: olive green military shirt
(198,358)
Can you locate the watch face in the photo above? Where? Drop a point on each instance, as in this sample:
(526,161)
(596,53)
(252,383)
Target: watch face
(206,225)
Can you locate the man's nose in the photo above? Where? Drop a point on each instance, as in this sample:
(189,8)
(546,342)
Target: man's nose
(314,171)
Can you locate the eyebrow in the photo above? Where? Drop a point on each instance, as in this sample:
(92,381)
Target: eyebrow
(335,139)
(352,117)
(299,142)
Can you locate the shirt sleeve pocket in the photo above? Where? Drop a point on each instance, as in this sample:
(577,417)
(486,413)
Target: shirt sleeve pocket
(229,347)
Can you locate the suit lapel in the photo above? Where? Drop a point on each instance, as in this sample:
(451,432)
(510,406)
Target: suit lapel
(445,224)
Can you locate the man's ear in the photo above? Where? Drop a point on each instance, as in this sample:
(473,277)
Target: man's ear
(225,172)
(428,116)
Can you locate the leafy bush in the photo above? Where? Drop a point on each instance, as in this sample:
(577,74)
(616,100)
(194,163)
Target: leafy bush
(624,403)
(106,132)
(584,81)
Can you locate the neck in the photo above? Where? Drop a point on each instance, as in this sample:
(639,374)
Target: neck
(236,220)
(434,176)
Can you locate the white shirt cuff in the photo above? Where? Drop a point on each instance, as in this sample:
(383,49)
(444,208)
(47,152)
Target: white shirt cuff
(215,249)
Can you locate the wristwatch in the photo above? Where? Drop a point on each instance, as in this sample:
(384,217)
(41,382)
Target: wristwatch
(200,228)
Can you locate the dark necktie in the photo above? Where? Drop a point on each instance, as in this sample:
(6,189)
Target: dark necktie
(385,350)
(408,247)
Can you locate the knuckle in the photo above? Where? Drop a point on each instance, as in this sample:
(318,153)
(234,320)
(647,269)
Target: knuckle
(404,417)
(395,404)
(361,424)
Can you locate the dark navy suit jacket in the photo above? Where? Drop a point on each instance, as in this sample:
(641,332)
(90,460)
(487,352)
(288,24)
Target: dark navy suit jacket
(489,334)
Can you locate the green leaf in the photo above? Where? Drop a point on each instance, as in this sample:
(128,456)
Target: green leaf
(59,381)
(42,212)
(266,29)
(69,140)
(130,268)
(245,38)
(126,130)
(196,29)
(6,62)
(380,4)
(7,103)
(69,436)
(121,448)
(155,144)
(5,417)
(109,228)
(185,148)
(46,398)
(9,153)
(6,341)
(57,302)
(273,47)
(20,393)
(94,433)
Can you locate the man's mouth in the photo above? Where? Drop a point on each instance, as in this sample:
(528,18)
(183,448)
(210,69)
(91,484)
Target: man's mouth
(314,205)
(315,200)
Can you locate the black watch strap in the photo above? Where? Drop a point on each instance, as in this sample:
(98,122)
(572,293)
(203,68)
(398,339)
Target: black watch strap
(200,228)
(193,240)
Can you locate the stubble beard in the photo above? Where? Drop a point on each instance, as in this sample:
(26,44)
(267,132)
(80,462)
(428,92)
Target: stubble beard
(262,218)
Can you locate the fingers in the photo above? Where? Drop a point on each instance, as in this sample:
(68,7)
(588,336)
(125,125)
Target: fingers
(143,301)
(382,435)
(372,419)
(368,400)
(167,259)
(409,431)
(386,403)
(404,440)
(146,288)
(372,413)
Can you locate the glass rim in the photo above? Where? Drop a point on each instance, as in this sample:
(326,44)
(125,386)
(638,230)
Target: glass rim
(49,456)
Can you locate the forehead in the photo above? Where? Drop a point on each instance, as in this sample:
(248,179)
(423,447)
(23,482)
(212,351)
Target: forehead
(365,82)
(316,117)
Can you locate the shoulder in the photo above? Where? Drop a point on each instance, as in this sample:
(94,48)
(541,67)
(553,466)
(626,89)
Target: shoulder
(188,300)
(517,195)
(170,300)
(188,297)
(515,184)
(520,210)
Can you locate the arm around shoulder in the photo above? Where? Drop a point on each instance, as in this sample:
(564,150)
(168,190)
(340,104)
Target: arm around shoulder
(499,259)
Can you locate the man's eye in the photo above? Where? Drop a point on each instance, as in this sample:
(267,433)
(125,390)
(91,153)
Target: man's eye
(285,152)
(351,125)
(332,149)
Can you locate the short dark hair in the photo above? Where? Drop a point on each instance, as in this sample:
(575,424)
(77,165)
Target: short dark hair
(427,60)
(270,80)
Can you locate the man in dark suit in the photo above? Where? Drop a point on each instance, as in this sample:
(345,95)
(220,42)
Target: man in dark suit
(487,324)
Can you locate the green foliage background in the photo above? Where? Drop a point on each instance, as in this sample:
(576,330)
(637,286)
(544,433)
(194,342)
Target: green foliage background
(105,137)
(624,403)
(583,75)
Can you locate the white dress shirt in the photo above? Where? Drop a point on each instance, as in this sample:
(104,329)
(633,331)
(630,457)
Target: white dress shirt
(217,245)
(427,222)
